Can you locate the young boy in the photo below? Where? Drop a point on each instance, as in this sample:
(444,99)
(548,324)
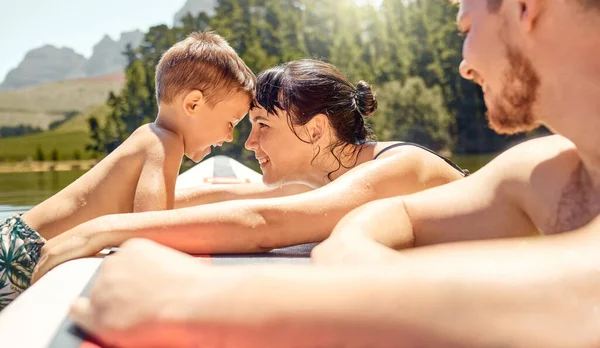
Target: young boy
(203,89)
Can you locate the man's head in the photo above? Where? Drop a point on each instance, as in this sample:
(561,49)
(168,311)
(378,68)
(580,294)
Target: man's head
(515,49)
(203,81)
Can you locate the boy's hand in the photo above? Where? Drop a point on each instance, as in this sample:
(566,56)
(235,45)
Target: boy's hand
(60,249)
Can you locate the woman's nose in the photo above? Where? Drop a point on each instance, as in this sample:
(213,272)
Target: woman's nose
(251,143)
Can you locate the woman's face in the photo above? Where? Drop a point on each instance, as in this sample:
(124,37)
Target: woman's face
(282,156)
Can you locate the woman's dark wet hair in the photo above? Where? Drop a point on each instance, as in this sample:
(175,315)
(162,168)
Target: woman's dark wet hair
(305,88)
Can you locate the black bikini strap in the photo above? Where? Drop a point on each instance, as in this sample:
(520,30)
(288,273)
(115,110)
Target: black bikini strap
(465,172)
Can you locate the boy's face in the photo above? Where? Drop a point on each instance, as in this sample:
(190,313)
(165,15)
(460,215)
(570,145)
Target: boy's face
(212,126)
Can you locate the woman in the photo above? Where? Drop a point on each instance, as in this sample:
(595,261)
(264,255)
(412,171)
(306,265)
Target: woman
(312,142)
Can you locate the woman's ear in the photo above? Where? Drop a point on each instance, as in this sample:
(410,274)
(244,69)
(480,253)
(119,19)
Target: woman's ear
(317,128)
(192,102)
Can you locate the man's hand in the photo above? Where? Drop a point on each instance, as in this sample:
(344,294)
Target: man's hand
(365,236)
(342,250)
(145,295)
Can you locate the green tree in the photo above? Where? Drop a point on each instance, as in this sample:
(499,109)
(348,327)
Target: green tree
(319,19)
(384,45)
(55,154)
(39,154)
(393,43)
(413,112)
(97,144)
(280,30)
(136,99)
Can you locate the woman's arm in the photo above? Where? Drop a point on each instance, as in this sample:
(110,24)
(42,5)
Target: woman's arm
(206,194)
(248,226)
(245,226)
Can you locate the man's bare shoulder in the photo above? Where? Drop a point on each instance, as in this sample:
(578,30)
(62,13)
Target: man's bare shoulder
(534,173)
(544,155)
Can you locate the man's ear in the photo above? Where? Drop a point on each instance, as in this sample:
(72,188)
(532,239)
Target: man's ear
(192,102)
(317,127)
(530,12)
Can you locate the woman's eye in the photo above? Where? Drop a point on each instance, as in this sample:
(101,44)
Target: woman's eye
(262,125)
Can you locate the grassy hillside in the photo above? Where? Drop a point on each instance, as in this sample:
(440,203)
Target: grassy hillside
(68,138)
(41,105)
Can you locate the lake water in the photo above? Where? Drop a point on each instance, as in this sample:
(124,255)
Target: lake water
(20,191)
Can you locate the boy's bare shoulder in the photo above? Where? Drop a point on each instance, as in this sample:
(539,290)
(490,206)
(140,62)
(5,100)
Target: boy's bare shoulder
(153,140)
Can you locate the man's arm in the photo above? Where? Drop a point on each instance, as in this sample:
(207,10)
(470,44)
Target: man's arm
(495,202)
(526,292)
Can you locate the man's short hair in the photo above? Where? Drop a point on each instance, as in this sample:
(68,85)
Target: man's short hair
(590,4)
(205,62)
(495,5)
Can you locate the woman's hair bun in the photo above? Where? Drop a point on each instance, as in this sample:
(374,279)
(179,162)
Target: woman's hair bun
(366,99)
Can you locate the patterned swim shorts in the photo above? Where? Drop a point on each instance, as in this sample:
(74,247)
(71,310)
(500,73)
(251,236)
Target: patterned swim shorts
(20,248)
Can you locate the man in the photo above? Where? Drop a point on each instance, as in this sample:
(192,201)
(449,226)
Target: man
(528,291)
(533,71)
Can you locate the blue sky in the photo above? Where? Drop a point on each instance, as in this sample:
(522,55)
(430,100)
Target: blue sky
(78,24)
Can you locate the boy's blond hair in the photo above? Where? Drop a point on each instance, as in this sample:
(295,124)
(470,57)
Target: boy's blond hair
(205,62)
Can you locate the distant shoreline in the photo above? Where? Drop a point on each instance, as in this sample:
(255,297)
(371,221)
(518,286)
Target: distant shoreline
(46,166)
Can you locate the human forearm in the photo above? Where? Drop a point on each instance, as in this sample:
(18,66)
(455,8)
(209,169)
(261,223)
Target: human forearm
(252,306)
(368,234)
(207,194)
(510,293)
(232,227)
(310,306)
(384,221)
(527,292)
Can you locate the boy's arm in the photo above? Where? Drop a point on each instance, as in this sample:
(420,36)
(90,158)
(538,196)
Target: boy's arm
(206,194)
